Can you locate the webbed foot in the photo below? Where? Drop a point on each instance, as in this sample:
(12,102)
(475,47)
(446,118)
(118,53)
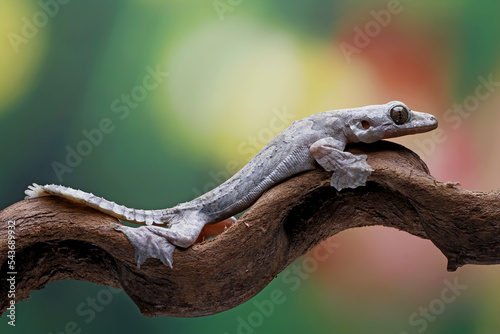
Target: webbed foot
(160,242)
(148,241)
(349,170)
(354,173)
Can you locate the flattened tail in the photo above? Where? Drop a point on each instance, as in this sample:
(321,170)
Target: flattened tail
(147,217)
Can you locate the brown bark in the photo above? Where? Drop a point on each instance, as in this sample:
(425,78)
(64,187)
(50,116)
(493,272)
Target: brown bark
(56,239)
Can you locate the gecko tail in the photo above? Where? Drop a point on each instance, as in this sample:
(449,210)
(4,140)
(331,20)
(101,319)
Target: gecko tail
(142,217)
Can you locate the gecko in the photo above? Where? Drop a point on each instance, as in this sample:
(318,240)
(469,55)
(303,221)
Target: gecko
(319,139)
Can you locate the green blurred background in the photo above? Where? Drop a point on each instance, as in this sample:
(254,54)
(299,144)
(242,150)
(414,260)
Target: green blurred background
(231,74)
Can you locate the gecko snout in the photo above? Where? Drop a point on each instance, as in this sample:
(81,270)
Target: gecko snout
(423,121)
(433,121)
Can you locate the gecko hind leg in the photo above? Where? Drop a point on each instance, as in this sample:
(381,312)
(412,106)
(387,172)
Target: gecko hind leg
(148,244)
(160,242)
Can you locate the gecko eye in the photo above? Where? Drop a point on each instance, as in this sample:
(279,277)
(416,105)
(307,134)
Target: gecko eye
(400,114)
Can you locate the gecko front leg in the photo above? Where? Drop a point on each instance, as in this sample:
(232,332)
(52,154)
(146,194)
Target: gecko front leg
(349,170)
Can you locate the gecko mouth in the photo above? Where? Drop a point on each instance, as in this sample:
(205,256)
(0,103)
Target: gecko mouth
(408,131)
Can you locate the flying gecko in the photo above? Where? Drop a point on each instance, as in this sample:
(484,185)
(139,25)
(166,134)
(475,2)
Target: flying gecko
(317,139)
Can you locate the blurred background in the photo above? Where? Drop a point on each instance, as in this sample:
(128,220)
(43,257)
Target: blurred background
(153,102)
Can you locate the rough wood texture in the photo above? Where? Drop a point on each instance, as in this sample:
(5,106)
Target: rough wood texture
(56,239)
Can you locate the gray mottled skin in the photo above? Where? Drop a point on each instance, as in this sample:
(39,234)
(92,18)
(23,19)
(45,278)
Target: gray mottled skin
(320,138)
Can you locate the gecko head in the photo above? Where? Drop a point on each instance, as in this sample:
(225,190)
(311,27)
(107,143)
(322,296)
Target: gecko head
(394,119)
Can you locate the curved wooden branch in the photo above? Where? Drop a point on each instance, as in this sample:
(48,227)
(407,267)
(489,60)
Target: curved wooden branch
(56,239)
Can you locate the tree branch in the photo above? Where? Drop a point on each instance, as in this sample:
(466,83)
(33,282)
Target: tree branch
(56,239)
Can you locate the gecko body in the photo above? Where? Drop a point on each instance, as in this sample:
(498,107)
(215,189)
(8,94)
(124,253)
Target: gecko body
(317,139)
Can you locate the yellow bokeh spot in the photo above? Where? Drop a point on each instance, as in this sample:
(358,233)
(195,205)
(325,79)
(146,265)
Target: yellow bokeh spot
(22,48)
(226,80)
(332,83)
(234,86)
